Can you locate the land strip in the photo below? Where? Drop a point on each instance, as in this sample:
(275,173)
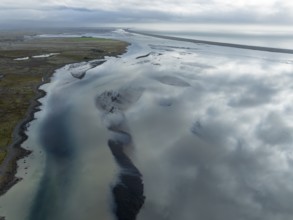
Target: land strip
(240,46)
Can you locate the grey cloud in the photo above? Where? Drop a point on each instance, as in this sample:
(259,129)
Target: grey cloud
(210,130)
(273,130)
(254,94)
(80,15)
(71,16)
(208,182)
(246,91)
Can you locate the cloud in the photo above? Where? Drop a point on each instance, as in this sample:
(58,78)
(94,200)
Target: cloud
(113,11)
(273,130)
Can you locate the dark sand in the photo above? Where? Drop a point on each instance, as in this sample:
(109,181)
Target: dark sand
(128,192)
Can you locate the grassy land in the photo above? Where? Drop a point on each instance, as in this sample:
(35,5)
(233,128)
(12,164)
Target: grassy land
(19,79)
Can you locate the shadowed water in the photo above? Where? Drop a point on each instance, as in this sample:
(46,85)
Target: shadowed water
(58,175)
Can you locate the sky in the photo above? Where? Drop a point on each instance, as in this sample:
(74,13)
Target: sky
(105,12)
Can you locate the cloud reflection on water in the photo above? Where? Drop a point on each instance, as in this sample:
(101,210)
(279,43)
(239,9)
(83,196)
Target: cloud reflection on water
(222,149)
(212,130)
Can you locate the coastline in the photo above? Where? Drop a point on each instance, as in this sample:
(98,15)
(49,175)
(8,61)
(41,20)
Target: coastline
(8,168)
(221,44)
(20,135)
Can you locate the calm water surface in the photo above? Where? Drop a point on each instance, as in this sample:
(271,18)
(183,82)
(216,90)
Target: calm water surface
(209,128)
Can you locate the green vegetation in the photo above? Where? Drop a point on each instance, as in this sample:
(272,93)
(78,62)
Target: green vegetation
(15,94)
(83,39)
(2,155)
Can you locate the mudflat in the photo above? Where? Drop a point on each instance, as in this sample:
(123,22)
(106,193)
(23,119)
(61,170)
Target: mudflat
(27,61)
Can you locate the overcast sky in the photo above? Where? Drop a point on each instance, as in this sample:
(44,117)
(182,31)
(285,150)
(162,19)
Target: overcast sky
(96,12)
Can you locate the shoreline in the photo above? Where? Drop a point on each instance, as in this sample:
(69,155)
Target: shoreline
(15,152)
(20,135)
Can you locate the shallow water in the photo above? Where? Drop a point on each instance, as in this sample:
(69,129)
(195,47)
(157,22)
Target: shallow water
(209,128)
